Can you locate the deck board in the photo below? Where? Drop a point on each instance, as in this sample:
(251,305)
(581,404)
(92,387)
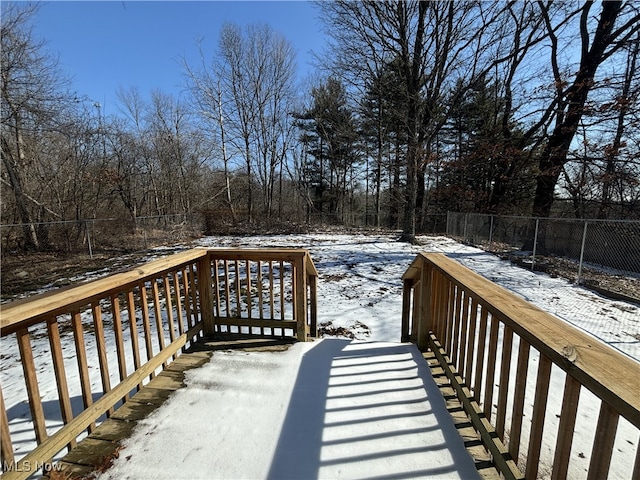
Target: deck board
(98,450)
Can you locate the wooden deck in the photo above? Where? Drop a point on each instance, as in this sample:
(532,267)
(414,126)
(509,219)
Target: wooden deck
(102,446)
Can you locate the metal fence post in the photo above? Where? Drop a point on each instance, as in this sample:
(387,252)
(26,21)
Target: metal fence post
(535,245)
(464,233)
(491,234)
(86,228)
(584,238)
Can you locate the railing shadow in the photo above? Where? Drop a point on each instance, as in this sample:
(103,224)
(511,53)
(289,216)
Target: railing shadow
(367,410)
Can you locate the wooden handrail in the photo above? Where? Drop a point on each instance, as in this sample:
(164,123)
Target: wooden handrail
(177,299)
(457,312)
(31,310)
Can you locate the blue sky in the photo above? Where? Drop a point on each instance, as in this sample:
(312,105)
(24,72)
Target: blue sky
(102,45)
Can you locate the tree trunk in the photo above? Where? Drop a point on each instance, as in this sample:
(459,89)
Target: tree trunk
(11,164)
(554,155)
(413,72)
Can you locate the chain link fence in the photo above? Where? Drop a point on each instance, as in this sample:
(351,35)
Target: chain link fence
(104,234)
(596,253)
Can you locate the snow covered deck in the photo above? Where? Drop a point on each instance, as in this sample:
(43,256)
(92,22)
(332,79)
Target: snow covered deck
(326,409)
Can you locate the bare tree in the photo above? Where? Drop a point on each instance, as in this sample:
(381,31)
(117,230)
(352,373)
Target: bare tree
(431,45)
(206,99)
(614,26)
(235,83)
(271,62)
(623,105)
(31,102)
(255,70)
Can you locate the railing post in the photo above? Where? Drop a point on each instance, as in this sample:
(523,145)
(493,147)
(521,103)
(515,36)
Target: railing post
(425,310)
(205,292)
(313,305)
(407,285)
(300,298)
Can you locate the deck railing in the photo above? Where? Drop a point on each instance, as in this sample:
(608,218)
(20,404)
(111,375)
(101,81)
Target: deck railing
(104,339)
(266,292)
(489,342)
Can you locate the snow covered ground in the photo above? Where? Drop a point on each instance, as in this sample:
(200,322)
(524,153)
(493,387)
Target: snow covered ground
(359,288)
(359,281)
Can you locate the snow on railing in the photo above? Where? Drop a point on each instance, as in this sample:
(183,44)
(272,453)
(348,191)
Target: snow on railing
(70,356)
(492,343)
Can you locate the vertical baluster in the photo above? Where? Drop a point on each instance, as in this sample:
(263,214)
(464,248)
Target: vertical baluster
(186,298)
(457,319)
(227,290)
(249,288)
(176,288)
(429,281)
(216,287)
(603,443)
(117,330)
(505,368)
(293,285)
(83,366)
(157,311)
(169,306)
(482,342)
(464,340)
(259,290)
(416,309)
(471,343)
(282,304)
(31,381)
(518,399)
(491,367)
(238,303)
(6,447)
(438,307)
(271,293)
(566,427)
(102,350)
(133,328)
(537,421)
(145,324)
(195,309)
(60,374)
(449,315)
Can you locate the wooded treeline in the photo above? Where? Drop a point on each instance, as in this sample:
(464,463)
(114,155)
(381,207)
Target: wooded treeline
(527,108)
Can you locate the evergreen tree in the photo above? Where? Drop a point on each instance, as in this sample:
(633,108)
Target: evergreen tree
(330,134)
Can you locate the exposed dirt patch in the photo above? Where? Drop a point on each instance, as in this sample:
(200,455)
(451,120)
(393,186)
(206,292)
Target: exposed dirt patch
(23,274)
(357,331)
